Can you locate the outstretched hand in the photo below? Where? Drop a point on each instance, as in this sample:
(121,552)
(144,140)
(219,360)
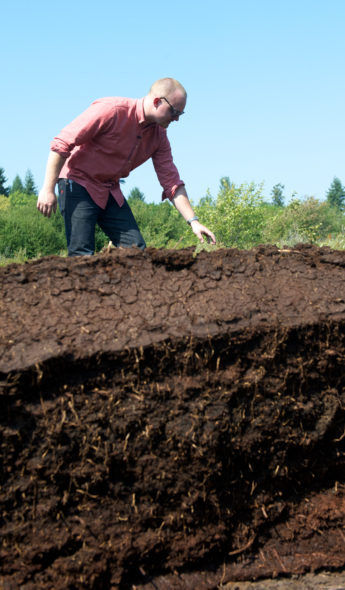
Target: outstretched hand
(201,231)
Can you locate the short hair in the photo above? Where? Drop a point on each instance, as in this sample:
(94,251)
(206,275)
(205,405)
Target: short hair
(166,86)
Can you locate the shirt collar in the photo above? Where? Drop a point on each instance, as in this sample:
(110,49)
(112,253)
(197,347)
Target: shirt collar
(141,114)
(140,111)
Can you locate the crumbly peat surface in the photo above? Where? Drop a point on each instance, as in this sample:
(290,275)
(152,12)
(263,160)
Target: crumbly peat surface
(171,421)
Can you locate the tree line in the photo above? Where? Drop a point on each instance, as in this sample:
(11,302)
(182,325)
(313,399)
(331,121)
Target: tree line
(335,194)
(239,215)
(27,187)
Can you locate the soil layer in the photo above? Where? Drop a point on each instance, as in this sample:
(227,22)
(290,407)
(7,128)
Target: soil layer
(170,421)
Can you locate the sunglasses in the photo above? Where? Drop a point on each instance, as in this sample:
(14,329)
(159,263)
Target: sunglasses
(174,112)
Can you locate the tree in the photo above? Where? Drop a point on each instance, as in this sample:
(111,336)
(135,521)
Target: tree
(336,194)
(17,185)
(4,190)
(135,195)
(277,195)
(225,184)
(29,184)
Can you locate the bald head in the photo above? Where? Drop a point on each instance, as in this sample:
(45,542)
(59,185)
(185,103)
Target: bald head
(167,87)
(165,102)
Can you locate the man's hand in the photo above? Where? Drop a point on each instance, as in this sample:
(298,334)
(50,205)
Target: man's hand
(46,202)
(200,231)
(183,206)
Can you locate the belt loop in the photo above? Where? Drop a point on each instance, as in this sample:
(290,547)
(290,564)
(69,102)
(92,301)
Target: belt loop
(70,185)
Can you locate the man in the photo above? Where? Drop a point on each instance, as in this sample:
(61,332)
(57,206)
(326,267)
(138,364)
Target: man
(100,147)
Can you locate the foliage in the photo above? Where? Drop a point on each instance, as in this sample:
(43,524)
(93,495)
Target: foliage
(301,221)
(161,225)
(334,241)
(277,195)
(336,194)
(135,195)
(21,199)
(205,247)
(17,185)
(24,229)
(101,239)
(4,190)
(4,203)
(236,215)
(29,184)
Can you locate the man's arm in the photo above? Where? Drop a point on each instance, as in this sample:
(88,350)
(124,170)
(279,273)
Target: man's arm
(183,206)
(46,202)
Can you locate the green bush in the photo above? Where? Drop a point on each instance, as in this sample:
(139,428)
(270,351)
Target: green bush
(4,203)
(302,221)
(19,199)
(236,216)
(24,229)
(161,225)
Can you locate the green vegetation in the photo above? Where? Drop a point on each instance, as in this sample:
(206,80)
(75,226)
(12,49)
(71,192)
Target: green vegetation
(239,216)
(336,194)
(277,195)
(236,216)
(25,233)
(4,190)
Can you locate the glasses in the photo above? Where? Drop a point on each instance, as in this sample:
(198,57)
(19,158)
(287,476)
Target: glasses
(174,112)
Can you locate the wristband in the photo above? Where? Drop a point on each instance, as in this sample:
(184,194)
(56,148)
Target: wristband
(195,218)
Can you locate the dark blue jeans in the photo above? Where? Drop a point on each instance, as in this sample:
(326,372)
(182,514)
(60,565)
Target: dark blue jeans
(81,214)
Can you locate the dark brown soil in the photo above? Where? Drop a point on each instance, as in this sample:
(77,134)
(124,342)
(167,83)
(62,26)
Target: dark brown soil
(172,422)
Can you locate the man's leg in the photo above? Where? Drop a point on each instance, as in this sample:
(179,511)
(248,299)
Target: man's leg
(80,216)
(119,224)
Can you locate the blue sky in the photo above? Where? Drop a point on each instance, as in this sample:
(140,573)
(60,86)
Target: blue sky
(265,82)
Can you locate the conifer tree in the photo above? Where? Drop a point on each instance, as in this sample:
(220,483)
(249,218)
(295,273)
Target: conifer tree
(277,195)
(336,194)
(4,190)
(29,184)
(17,185)
(136,195)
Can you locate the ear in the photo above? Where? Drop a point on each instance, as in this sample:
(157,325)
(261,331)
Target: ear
(156,101)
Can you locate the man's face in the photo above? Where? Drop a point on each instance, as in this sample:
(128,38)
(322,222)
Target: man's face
(169,108)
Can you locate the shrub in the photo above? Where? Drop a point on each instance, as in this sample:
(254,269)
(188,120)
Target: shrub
(23,228)
(236,217)
(161,225)
(302,221)
(4,203)
(20,199)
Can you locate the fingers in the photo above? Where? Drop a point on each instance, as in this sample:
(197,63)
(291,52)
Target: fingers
(212,237)
(46,210)
(46,207)
(204,231)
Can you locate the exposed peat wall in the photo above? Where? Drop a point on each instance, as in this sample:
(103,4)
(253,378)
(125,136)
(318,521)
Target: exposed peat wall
(170,421)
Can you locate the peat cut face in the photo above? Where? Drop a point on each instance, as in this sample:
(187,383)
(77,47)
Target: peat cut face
(171,421)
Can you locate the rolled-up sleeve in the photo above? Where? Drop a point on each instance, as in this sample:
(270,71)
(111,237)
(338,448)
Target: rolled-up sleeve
(83,129)
(166,170)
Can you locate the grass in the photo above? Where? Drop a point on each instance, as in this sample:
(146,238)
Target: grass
(20,257)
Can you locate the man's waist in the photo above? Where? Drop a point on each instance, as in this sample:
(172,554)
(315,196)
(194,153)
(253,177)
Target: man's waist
(100,183)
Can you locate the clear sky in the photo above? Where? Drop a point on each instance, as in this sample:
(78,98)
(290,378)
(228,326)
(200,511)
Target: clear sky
(265,82)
